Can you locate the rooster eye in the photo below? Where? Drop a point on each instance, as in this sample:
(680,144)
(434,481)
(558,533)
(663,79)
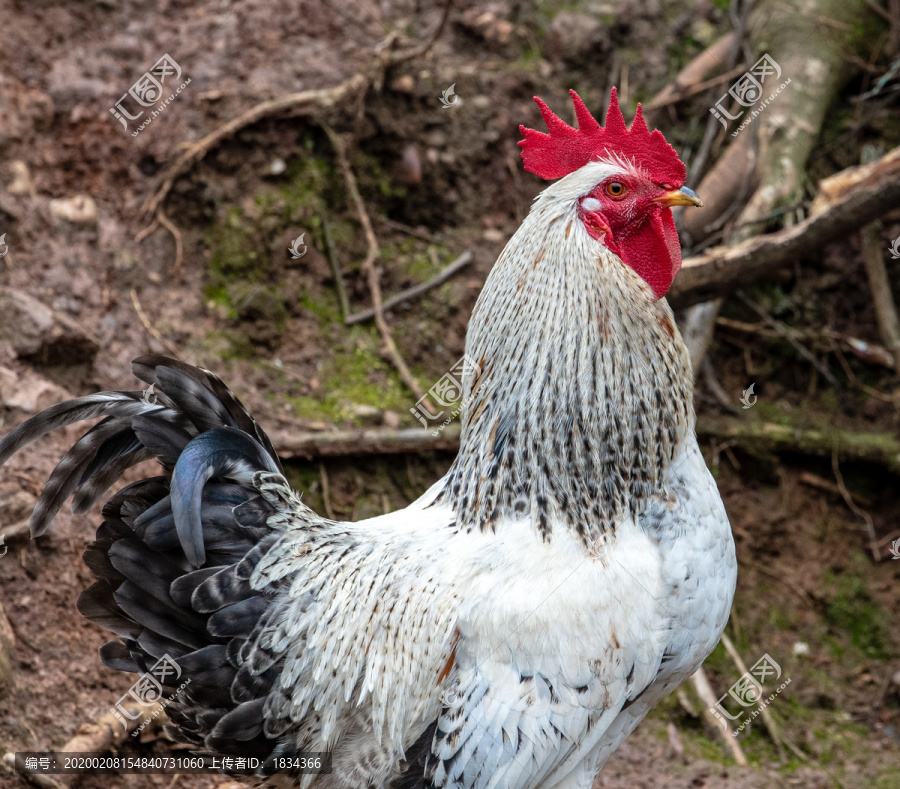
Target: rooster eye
(616,189)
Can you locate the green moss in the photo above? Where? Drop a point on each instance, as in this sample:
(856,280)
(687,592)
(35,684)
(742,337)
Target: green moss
(360,377)
(853,611)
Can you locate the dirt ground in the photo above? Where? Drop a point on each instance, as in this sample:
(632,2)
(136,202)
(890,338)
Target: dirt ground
(438,181)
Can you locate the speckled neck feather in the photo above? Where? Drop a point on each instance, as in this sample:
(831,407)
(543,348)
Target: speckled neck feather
(584,389)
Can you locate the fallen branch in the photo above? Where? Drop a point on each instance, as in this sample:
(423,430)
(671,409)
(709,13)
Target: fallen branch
(368,441)
(705,692)
(414,292)
(768,720)
(368,266)
(107,732)
(882,448)
(100,737)
(721,270)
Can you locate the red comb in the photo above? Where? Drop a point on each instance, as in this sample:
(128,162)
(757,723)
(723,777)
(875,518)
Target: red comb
(564,149)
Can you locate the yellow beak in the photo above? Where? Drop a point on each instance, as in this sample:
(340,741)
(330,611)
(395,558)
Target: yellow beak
(683,196)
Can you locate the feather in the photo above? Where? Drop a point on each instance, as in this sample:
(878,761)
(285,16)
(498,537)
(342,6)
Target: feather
(222,452)
(101,445)
(177,625)
(237,619)
(122,404)
(116,655)
(88,493)
(97,604)
(242,723)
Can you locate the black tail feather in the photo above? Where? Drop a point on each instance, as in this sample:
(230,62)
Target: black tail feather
(174,554)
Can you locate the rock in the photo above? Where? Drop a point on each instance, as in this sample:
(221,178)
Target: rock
(391,420)
(30,330)
(21,183)
(28,392)
(575,37)
(80,209)
(405,84)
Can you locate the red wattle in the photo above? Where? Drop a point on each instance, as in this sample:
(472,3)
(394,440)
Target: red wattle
(654,251)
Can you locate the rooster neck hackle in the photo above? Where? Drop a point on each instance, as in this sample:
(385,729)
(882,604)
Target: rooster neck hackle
(583,386)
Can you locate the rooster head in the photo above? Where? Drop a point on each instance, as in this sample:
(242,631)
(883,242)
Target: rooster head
(639,179)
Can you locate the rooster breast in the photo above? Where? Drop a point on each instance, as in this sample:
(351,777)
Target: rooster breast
(691,531)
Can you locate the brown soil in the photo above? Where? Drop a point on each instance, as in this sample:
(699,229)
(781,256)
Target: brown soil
(270,326)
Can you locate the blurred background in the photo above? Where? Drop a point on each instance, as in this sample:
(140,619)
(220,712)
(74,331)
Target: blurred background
(197,178)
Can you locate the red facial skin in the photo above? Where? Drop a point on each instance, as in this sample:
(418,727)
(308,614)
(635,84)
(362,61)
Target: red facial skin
(641,232)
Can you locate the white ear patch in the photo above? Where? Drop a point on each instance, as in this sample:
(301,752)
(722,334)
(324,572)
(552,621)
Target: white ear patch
(590,204)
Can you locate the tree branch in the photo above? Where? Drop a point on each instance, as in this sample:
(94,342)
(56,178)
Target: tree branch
(720,270)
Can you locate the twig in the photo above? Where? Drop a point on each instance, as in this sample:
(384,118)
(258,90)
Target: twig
(415,232)
(820,483)
(880,286)
(414,292)
(692,90)
(149,326)
(788,335)
(147,231)
(368,266)
(176,234)
(711,57)
(335,269)
(860,513)
(705,692)
(302,103)
(769,721)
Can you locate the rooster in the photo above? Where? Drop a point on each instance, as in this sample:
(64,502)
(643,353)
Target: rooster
(512,626)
